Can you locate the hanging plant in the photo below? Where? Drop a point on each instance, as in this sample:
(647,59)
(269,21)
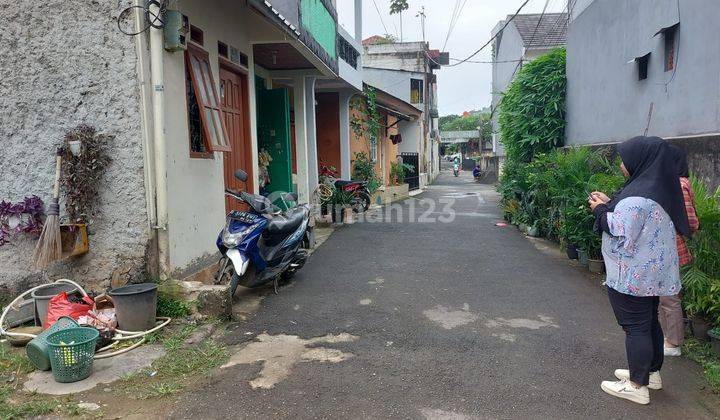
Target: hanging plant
(85,161)
(22,217)
(368,123)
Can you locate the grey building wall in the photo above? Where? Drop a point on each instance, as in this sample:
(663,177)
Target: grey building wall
(63,65)
(508,49)
(394,82)
(607,103)
(576,7)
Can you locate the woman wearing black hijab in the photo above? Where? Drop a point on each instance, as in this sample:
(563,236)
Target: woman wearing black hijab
(639,232)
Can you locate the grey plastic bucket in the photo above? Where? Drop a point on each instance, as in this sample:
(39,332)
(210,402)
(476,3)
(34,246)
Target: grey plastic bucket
(42,298)
(135,306)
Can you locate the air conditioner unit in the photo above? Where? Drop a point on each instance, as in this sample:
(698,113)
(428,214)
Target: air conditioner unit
(176,30)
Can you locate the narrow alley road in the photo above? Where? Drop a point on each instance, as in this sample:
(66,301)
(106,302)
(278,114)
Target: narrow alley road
(436,320)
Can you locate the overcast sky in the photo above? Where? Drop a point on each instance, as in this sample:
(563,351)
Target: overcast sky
(460,88)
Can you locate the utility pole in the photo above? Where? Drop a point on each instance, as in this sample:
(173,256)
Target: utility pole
(421,14)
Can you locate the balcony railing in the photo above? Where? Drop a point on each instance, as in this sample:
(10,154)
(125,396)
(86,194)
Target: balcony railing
(347,52)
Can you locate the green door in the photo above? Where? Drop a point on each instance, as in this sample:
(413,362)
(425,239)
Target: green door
(274,134)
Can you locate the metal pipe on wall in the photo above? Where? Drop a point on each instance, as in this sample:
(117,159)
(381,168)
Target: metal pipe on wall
(159,139)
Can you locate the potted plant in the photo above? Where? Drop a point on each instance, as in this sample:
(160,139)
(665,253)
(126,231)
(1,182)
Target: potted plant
(338,203)
(85,160)
(571,251)
(596,264)
(533,231)
(698,299)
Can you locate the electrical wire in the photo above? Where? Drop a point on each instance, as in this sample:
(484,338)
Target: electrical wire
(510,19)
(152,20)
(452,19)
(487,62)
(381,19)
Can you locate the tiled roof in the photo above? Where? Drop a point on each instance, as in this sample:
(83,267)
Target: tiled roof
(375,39)
(551,30)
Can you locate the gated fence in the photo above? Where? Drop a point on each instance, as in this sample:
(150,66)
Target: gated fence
(412,177)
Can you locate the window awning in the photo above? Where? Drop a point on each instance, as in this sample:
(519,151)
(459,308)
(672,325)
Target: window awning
(667,28)
(394,113)
(638,58)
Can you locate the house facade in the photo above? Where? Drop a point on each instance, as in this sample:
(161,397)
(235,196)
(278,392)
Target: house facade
(405,70)
(384,149)
(525,38)
(646,67)
(218,86)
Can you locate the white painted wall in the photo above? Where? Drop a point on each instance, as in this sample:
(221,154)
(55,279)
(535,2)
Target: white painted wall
(196,199)
(353,76)
(411,132)
(394,82)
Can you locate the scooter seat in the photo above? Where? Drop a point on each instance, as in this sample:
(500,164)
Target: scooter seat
(342,182)
(287,222)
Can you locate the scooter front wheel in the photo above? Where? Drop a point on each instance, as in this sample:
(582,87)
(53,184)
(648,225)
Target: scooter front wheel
(227,275)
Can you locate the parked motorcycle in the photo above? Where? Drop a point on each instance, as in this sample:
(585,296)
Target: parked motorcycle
(360,200)
(263,244)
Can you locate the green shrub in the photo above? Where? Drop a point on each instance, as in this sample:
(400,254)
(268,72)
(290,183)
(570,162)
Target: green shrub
(398,171)
(551,193)
(364,170)
(701,280)
(171,307)
(532,112)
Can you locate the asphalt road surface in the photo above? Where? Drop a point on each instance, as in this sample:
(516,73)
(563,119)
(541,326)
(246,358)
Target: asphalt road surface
(436,316)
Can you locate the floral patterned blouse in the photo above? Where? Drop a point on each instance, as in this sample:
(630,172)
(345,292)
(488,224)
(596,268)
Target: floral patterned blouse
(641,255)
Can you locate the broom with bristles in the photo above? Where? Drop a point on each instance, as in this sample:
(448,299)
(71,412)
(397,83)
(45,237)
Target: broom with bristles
(49,246)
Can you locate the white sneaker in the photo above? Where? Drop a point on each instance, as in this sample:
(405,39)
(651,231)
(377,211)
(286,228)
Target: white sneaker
(624,389)
(655,379)
(672,351)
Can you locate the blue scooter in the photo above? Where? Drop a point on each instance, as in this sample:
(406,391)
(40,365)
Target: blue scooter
(264,244)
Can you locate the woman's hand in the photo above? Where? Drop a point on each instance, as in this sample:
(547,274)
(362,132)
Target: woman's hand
(595,200)
(601,195)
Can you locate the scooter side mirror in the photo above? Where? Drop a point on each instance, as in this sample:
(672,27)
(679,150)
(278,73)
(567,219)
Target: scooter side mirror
(241,175)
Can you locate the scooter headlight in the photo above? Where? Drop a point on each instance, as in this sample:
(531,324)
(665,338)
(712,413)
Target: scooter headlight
(231,240)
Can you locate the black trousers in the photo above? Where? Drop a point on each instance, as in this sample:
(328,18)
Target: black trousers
(638,317)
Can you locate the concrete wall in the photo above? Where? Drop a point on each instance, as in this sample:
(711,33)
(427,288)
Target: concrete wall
(408,56)
(577,7)
(353,76)
(65,65)
(194,223)
(394,82)
(509,49)
(607,103)
(411,132)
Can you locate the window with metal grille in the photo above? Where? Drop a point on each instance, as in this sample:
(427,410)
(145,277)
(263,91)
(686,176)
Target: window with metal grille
(373,149)
(416,91)
(347,52)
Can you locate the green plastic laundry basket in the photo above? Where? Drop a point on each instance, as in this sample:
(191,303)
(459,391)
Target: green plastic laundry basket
(38,350)
(71,353)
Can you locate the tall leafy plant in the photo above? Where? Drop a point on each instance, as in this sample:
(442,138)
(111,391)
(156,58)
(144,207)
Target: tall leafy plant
(532,111)
(364,170)
(701,280)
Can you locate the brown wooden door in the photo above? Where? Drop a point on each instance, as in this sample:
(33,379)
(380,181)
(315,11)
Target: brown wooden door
(234,105)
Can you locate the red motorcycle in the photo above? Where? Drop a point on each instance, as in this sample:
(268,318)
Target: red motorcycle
(360,201)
